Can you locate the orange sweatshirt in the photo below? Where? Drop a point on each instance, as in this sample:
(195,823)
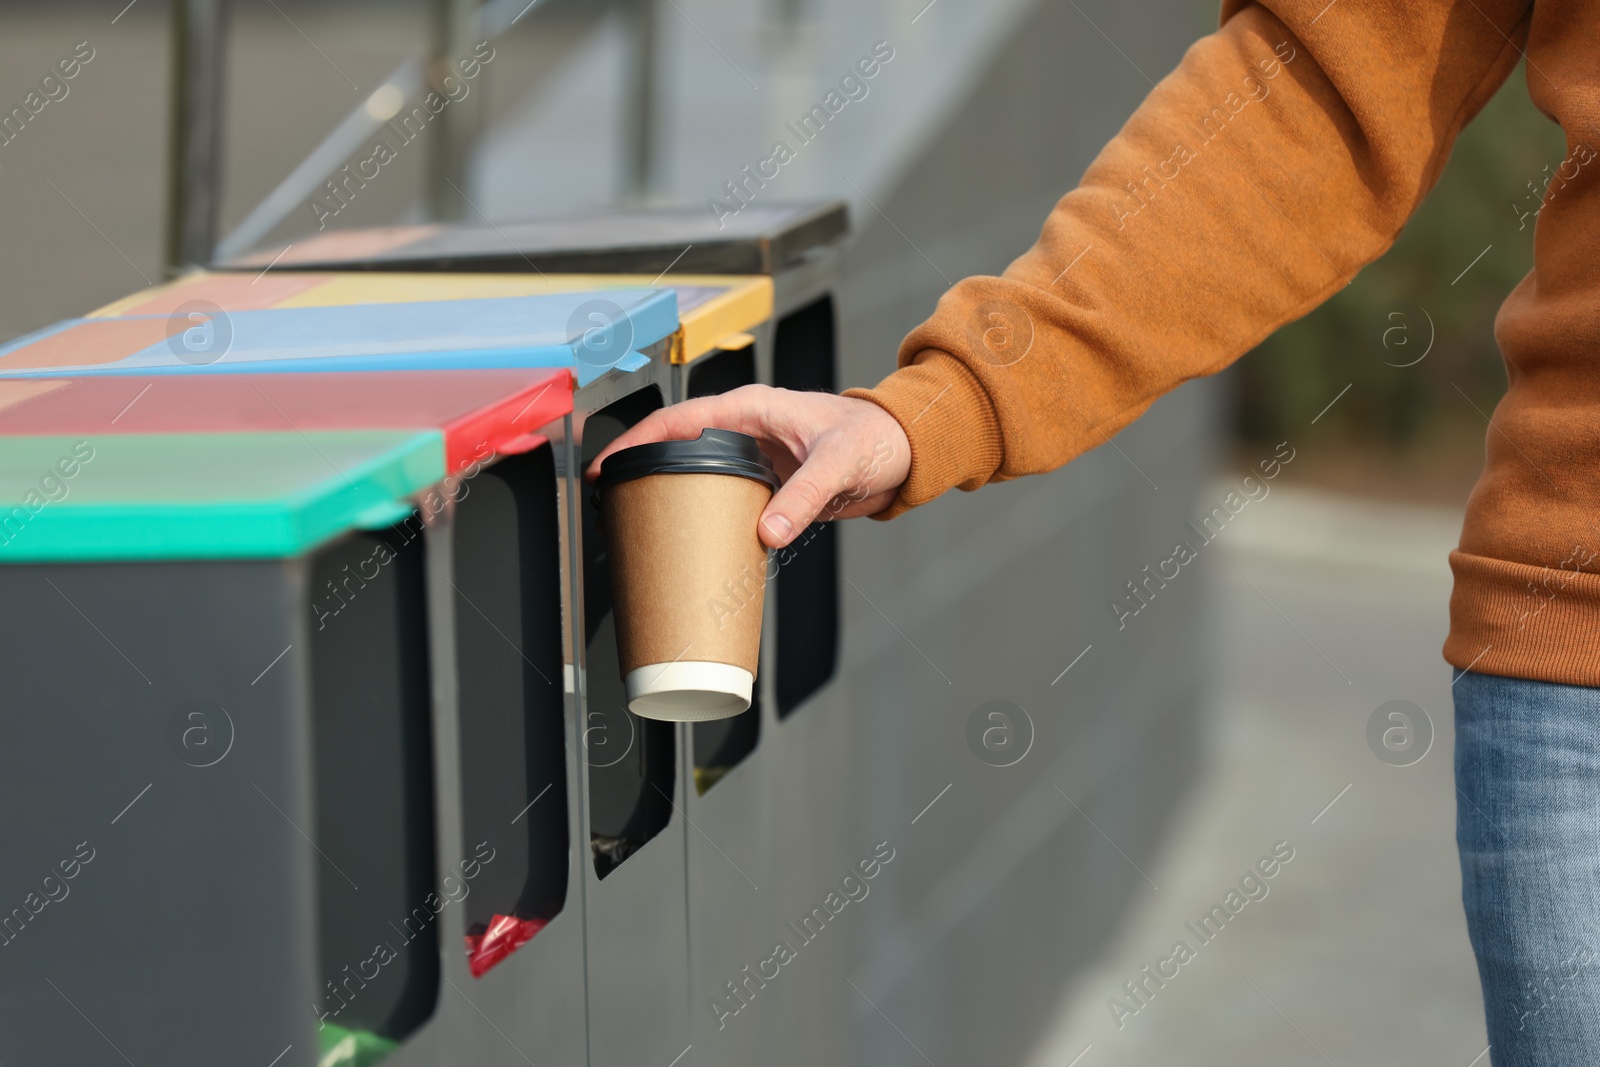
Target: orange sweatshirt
(1284,153)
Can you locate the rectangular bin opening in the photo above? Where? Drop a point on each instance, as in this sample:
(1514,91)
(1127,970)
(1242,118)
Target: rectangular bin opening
(808,578)
(507,561)
(373,780)
(632,761)
(721,746)
(722,370)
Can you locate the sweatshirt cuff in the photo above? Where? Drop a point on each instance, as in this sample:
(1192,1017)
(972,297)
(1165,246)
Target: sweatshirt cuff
(950,421)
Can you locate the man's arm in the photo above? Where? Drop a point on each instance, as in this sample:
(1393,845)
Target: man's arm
(1284,154)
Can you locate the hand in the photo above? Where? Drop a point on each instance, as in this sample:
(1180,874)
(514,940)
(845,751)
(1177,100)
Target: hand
(839,457)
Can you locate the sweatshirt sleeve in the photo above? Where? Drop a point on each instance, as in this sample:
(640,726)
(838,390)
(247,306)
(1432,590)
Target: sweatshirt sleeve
(1283,154)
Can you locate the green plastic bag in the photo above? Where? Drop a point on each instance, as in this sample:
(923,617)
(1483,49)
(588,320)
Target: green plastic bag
(351,1048)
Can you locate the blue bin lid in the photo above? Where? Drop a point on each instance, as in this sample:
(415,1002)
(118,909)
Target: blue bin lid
(588,333)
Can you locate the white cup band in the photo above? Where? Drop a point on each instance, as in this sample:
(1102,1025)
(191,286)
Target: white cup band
(689,690)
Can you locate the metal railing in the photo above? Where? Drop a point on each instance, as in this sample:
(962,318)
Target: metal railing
(198,76)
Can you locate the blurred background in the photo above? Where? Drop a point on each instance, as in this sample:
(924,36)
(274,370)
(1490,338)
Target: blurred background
(1249,703)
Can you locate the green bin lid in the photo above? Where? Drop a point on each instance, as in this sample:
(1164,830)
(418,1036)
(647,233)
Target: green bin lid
(204,496)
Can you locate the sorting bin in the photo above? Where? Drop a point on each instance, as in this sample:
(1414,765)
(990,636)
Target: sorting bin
(501,725)
(767,803)
(219,809)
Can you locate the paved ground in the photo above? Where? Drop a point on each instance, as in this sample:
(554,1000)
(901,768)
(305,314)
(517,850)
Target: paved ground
(1326,608)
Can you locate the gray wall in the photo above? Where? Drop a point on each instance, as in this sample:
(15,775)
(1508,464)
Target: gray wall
(1002,889)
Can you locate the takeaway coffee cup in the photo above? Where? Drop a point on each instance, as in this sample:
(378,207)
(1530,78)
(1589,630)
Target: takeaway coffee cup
(688,571)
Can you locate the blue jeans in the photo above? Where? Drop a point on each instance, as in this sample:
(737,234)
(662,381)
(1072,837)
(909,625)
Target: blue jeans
(1528,827)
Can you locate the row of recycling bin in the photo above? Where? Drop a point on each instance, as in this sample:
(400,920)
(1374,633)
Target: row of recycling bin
(312,686)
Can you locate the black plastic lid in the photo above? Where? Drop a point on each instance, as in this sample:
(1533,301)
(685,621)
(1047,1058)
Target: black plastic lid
(713,452)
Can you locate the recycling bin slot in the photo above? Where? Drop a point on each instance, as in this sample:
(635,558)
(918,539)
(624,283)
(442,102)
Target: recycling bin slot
(720,370)
(512,702)
(377,902)
(807,642)
(722,745)
(632,761)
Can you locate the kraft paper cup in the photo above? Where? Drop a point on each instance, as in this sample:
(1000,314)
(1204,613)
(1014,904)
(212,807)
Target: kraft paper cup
(688,571)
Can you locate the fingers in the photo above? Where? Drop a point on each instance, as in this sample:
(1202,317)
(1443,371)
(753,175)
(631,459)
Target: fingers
(839,457)
(835,480)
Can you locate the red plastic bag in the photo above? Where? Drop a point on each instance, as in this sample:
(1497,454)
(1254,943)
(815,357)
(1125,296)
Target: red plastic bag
(504,935)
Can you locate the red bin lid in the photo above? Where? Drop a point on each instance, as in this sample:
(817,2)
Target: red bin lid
(479,412)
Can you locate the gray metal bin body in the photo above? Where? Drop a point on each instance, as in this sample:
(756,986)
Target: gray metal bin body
(628,928)
(500,646)
(773,821)
(188,724)
(633,849)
